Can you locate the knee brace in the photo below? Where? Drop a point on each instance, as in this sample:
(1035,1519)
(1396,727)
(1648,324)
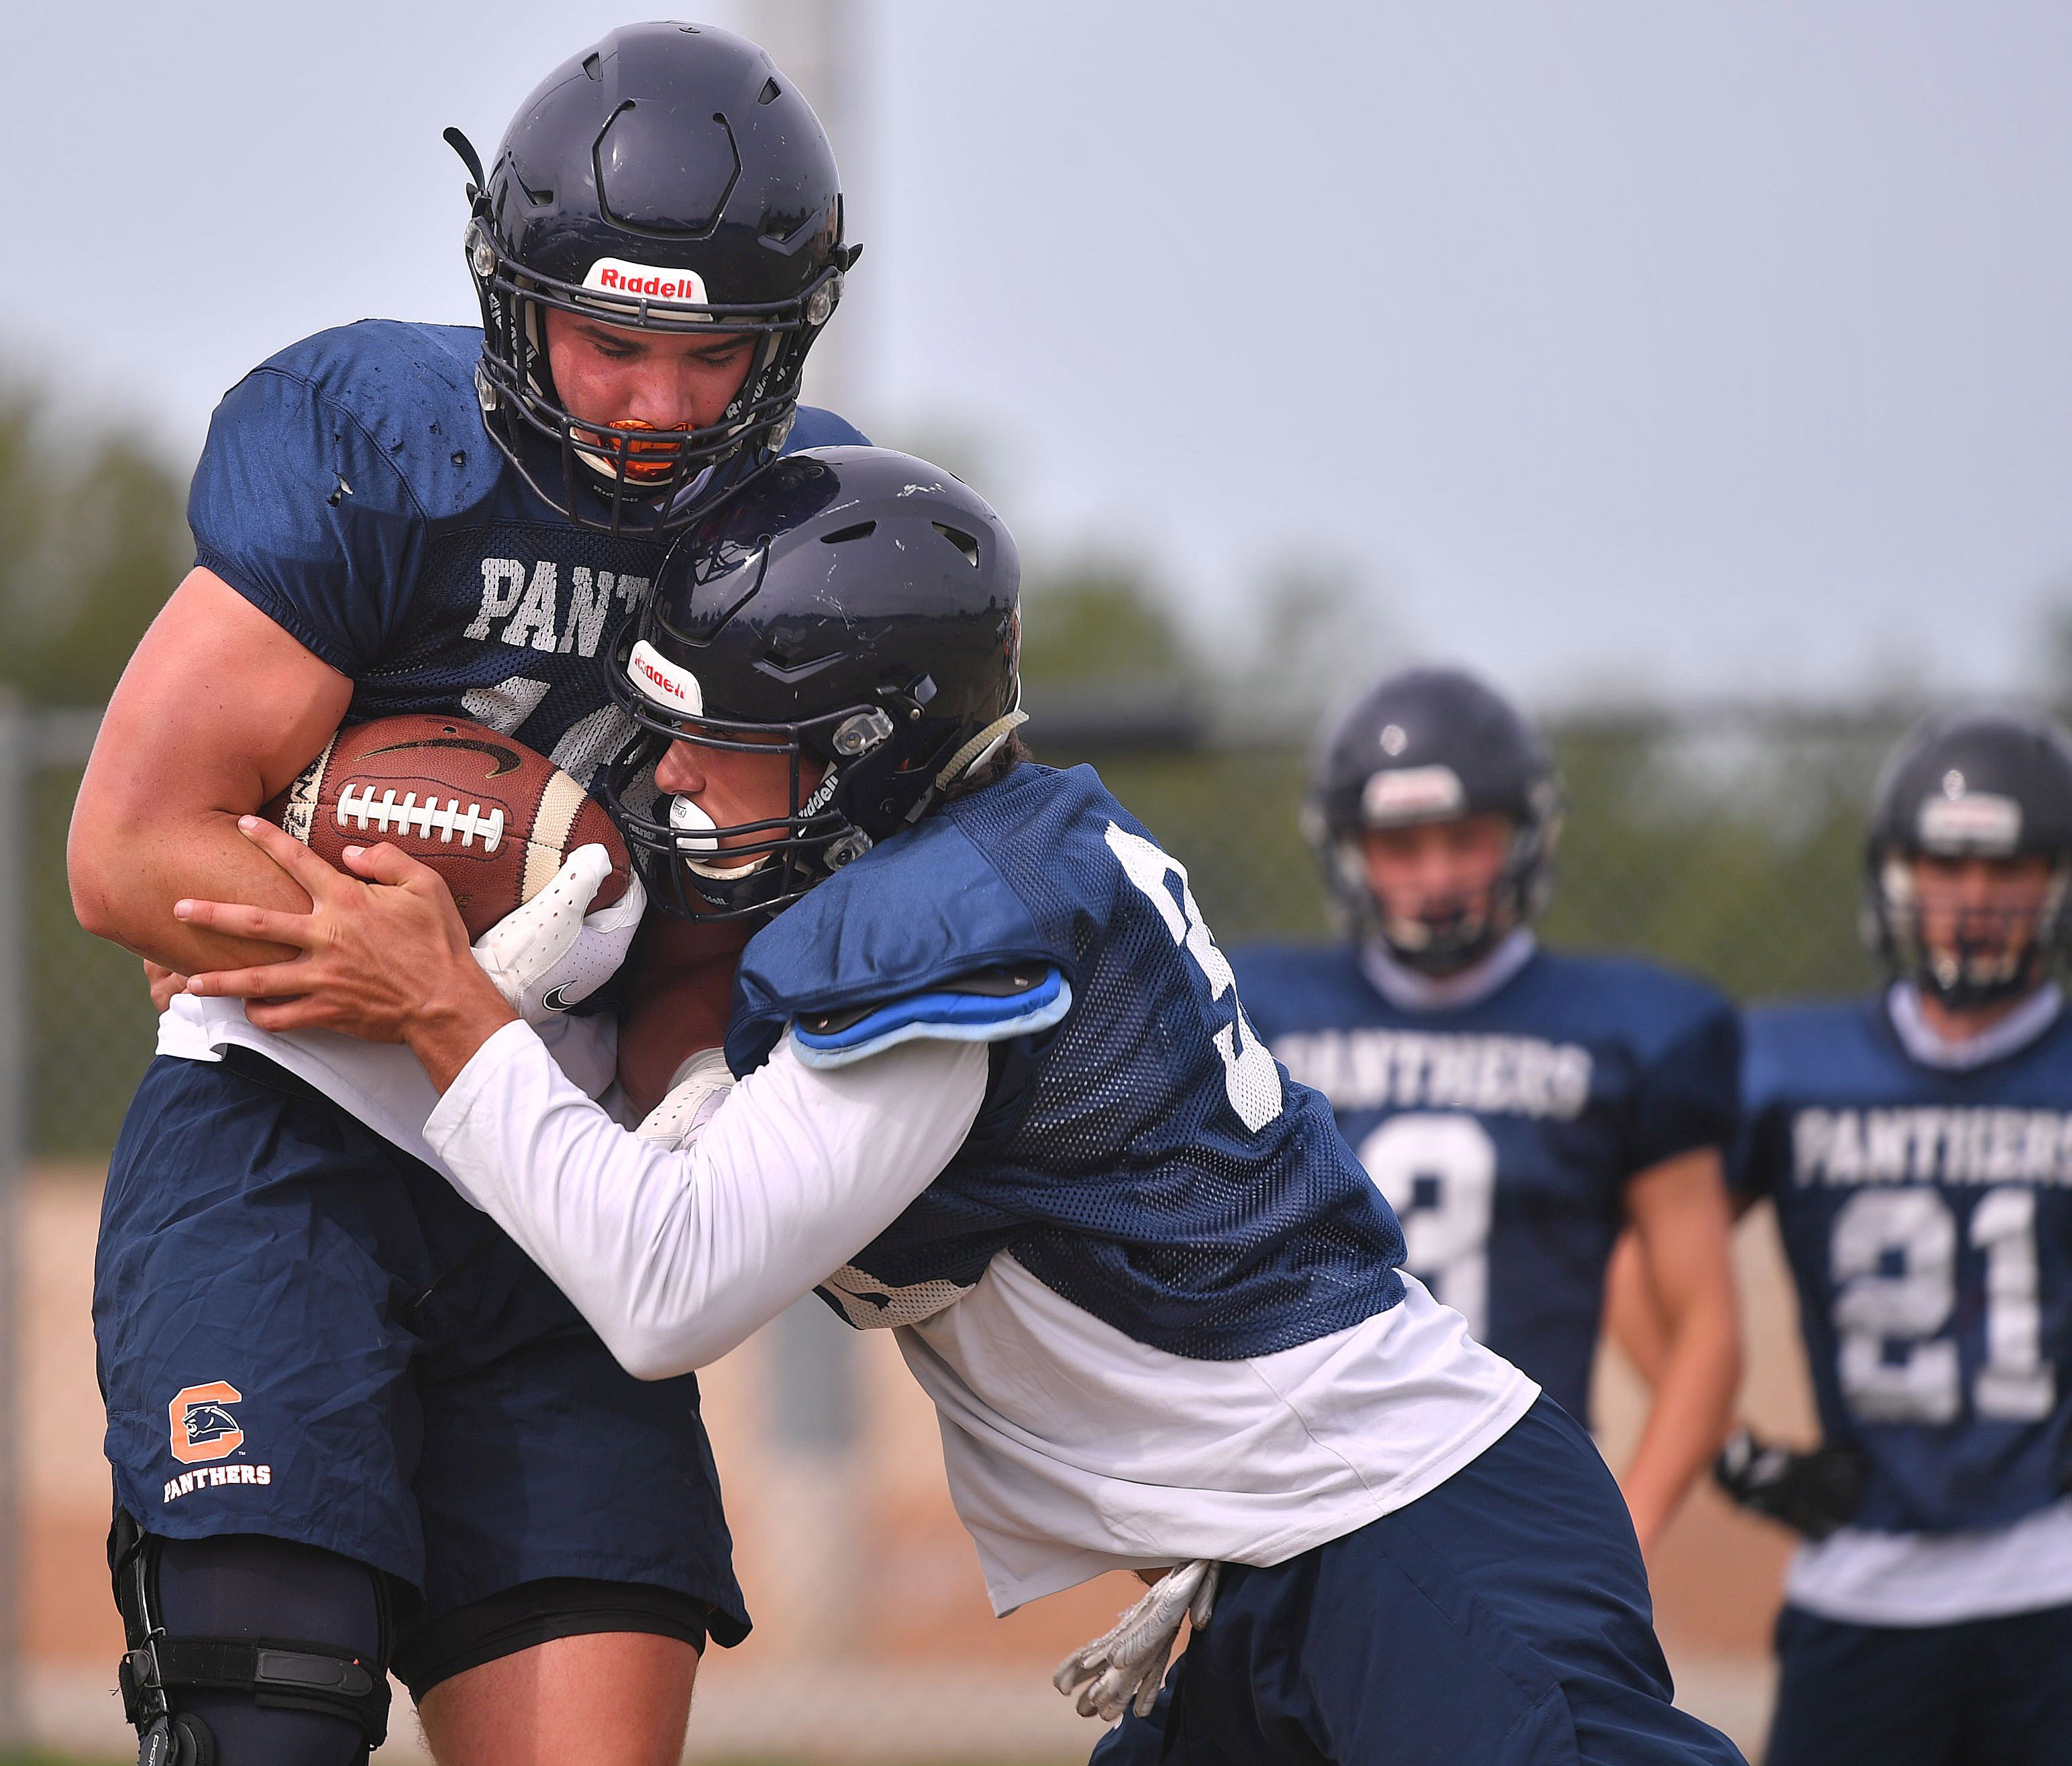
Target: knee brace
(221,1668)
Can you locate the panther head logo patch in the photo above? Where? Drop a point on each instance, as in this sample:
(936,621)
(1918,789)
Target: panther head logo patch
(201,1423)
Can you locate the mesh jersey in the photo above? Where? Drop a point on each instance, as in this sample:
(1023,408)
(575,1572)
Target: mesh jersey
(1927,1219)
(348,490)
(1503,1131)
(1146,1160)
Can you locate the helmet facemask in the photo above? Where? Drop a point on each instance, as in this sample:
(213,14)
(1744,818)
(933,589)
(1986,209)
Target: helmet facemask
(616,476)
(1987,955)
(668,180)
(1990,787)
(1447,937)
(855,775)
(1429,747)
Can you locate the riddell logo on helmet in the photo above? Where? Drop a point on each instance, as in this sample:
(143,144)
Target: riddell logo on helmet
(664,681)
(1412,793)
(645,281)
(1982,822)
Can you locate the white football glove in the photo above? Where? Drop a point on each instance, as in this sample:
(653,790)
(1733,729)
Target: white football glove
(1122,1670)
(696,1088)
(547,956)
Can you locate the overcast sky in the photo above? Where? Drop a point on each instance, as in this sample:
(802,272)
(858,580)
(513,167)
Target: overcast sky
(1648,346)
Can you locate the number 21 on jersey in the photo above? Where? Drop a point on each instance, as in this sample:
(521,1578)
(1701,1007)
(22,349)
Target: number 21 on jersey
(1893,1259)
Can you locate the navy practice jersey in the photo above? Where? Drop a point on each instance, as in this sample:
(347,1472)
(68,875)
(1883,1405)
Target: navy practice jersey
(1146,1158)
(349,491)
(1504,1131)
(1927,1219)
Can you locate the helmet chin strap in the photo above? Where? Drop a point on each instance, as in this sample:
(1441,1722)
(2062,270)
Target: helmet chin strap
(982,747)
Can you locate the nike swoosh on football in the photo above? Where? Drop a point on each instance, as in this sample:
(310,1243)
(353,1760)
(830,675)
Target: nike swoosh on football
(506,759)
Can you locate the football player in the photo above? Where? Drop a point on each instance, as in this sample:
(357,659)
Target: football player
(350,1423)
(1519,1107)
(1918,1149)
(997,1091)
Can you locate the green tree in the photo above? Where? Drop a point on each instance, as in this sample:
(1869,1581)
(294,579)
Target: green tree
(92,539)
(1101,623)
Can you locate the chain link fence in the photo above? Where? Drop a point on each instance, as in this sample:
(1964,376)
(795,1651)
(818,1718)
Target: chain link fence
(1725,841)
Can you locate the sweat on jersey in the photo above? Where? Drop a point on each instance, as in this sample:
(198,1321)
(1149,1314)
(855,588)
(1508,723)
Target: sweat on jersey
(1158,1305)
(1503,1128)
(1926,1211)
(348,490)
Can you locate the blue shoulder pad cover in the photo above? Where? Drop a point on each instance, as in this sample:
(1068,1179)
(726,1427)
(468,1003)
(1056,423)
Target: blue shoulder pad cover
(988,1006)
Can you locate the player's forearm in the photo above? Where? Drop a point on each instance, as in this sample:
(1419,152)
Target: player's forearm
(449,1031)
(217,712)
(1633,1316)
(1693,1410)
(125,881)
(674,1258)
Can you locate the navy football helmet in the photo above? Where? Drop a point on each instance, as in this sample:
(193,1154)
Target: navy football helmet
(1432,744)
(668,179)
(855,609)
(1992,785)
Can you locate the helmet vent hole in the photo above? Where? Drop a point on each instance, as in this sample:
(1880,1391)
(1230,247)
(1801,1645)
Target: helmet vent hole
(768,95)
(540,199)
(593,66)
(863,529)
(962,541)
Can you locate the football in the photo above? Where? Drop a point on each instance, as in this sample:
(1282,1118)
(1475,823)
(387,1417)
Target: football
(493,818)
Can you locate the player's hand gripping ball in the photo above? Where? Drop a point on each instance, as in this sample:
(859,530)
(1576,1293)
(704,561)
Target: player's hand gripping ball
(494,820)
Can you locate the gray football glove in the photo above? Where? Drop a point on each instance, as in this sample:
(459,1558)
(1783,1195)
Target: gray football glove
(1122,1669)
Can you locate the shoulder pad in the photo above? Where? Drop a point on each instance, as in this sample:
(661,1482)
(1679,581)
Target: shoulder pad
(814,427)
(991,1005)
(908,919)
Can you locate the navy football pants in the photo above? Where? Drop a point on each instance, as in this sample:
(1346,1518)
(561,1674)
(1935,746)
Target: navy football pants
(1990,1692)
(1503,1620)
(305,1333)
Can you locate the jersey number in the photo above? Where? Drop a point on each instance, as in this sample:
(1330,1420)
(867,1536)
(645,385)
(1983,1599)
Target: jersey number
(1250,1076)
(1894,1262)
(1446,1225)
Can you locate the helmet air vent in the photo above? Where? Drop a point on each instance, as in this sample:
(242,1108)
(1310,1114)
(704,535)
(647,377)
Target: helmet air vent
(769,93)
(594,65)
(863,529)
(965,543)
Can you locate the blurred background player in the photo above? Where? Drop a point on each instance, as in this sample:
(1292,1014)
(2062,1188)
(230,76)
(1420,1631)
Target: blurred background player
(997,1090)
(1518,1107)
(1918,1146)
(341,1410)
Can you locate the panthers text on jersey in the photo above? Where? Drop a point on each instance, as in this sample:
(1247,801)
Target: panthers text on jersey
(1927,1213)
(1503,1129)
(348,489)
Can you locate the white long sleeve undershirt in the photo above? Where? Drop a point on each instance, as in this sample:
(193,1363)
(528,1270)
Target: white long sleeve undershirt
(676,1258)
(1070,1448)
